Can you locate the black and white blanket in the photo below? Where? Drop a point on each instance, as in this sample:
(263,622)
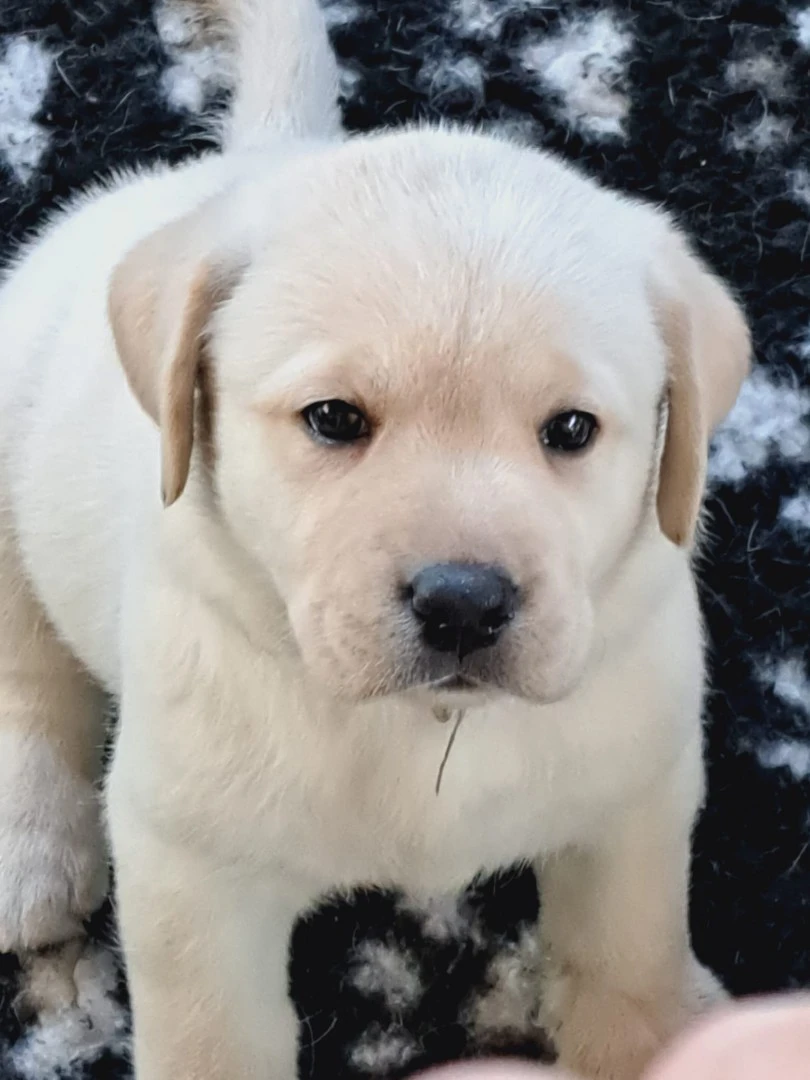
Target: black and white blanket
(701,104)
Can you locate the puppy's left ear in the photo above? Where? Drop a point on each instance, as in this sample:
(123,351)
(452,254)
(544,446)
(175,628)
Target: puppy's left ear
(708,357)
(160,300)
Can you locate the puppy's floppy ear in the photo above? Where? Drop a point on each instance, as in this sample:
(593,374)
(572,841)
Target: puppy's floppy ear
(160,299)
(708,357)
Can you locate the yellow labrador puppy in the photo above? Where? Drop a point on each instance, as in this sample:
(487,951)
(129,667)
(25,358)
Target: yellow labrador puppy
(304,448)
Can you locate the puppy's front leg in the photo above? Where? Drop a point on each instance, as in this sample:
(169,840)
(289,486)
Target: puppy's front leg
(53,863)
(621,978)
(207,957)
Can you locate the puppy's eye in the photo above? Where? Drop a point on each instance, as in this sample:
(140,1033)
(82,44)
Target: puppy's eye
(336,421)
(570,431)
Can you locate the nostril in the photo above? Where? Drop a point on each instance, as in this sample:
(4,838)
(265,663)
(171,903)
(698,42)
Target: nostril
(497,616)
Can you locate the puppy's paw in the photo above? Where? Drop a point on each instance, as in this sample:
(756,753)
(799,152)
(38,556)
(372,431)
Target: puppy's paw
(53,867)
(69,1008)
(601,1032)
(48,980)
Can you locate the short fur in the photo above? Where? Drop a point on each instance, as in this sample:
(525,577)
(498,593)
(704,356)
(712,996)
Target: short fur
(278,732)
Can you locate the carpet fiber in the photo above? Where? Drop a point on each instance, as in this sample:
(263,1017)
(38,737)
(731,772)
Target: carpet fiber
(701,104)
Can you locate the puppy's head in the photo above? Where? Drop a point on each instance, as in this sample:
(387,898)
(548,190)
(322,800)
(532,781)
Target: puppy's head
(441,365)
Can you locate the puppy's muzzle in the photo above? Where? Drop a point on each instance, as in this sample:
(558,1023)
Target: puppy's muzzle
(462,608)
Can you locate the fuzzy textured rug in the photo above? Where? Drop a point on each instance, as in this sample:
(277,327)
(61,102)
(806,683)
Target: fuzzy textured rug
(701,104)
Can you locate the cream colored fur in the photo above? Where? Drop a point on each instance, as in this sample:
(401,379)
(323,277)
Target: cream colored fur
(277,739)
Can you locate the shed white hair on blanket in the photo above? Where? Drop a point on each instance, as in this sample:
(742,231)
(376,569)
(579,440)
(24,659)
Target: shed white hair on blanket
(340,12)
(445,918)
(484,18)
(585,65)
(757,71)
(68,1035)
(198,67)
(25,73)
(508,1008)
(801,24)
(380,1050)
(786,754)
(789,682)
(384,968)
(768,420)
(796,510)
(446,76)
(768,133)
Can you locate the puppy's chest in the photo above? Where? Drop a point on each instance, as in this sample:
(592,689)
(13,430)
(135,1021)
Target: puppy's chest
(362,802)
(404,810)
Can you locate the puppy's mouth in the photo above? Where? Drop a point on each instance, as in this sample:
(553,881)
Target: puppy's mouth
(456,683)
(455,690)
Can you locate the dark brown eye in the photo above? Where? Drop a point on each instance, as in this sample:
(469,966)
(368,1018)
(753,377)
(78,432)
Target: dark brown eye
(336,421)
(568,432)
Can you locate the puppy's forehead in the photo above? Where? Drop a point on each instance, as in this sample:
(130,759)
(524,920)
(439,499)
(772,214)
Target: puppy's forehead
(440,264)
(475,363)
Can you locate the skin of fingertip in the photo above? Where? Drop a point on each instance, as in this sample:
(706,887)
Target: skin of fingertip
(495,1069)
(763,1040)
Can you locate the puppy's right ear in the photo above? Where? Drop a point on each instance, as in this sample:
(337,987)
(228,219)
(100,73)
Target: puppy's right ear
(160,301)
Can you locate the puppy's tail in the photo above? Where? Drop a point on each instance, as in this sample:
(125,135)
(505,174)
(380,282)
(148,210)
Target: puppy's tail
(285,73)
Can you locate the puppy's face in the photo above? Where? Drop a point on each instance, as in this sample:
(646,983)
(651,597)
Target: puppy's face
(438,399)
(438,424)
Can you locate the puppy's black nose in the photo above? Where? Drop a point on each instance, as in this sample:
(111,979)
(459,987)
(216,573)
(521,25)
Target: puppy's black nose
(462,607)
